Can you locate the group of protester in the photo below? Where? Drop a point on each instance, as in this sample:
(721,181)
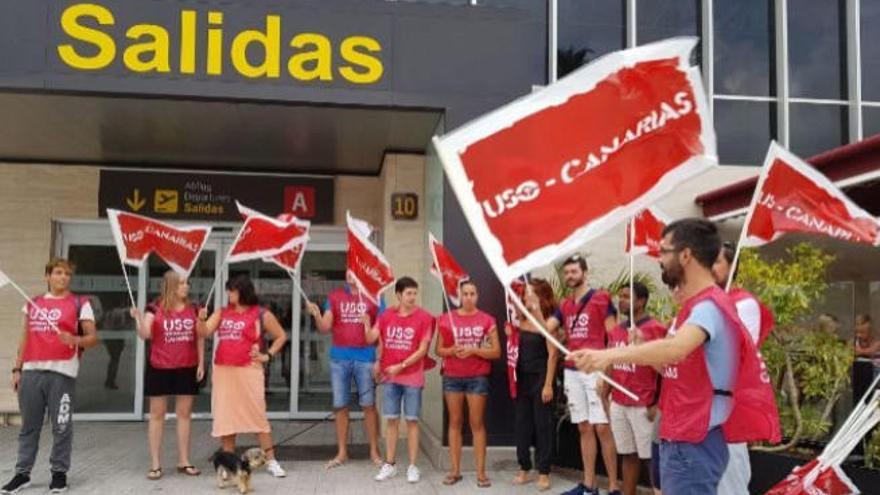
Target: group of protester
(688,369)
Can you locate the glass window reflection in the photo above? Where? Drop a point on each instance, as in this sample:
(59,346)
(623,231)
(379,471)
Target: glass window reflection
(870,121)
(744,129)
(587,30)
(744,48)
(870,47)
(817,48)
(817,128)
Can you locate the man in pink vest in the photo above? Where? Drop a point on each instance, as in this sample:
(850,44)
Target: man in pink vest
(348,316)
(714,388)
(45,372)
(758,320)
(585,318)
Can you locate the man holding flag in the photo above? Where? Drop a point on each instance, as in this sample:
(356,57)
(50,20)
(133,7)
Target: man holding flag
(57,327)
(585,318)
(710,367)
(348,316)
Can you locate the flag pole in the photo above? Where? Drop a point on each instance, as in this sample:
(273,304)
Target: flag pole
(127,282)
(293,277)
(220,270)
(40,310)
(632,273)
(519,304)
(449,311)
(744,232)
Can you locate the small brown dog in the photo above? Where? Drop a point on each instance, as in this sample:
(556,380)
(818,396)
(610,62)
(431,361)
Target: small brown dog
(234,470)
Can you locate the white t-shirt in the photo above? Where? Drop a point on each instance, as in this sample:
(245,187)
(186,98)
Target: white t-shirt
(69,367)
(750,314)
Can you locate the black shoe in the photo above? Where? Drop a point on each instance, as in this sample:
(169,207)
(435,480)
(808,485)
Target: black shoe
(19,482)
(59,483)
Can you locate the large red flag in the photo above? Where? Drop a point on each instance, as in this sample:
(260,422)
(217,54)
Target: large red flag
(447,270)
(262,236)
(517,287)
(137,236)
(792,196)
(290,259)
(543,175)
(368,266)
(648,226)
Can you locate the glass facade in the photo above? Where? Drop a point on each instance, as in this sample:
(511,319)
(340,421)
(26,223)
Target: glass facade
(775,69)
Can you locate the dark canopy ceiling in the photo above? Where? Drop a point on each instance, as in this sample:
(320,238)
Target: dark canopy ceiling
(227,135)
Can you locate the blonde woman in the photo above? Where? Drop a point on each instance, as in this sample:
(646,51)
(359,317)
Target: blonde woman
(176,366)
(238,400)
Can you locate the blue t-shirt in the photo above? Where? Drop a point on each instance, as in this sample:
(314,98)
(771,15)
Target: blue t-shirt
(363,354)
(722,356)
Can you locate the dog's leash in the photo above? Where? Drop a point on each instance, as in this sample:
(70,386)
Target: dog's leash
(301,432)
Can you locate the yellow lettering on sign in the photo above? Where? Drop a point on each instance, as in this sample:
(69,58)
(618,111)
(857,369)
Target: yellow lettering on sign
(272,51)
(102,41)
(352,51)
(312,64)
(215,44)
(157,46)
(188,42)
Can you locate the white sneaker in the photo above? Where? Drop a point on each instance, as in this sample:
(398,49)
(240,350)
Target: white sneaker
(275,469)
(413,475)
(386,472)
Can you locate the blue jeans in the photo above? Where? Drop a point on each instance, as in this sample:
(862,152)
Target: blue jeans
(341,374)
(694,468)
(476,385)
(393,394)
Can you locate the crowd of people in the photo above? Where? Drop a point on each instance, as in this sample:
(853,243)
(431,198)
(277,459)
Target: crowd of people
(687,369)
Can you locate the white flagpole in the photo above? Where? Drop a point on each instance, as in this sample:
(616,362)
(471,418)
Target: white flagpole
(519,304)
(220,270)
(449,312)
(632,274)
(127,283)
(744,232)
(30,301)
(293,277)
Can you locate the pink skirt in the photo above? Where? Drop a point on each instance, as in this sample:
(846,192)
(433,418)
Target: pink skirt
(238,400)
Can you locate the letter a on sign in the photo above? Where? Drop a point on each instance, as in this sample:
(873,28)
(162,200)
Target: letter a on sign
(543,175)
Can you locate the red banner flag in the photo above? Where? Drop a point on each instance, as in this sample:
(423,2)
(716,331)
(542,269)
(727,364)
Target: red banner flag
(290,259)
(541,176)
(262,236)
(792,196)
(812,479)
(368,266)
(649,225)
(518,287)
(137,236)
(447,270)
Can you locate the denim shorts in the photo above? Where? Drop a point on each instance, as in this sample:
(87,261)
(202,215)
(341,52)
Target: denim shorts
(474,385)
(341,374)
(694,468)
(393,394)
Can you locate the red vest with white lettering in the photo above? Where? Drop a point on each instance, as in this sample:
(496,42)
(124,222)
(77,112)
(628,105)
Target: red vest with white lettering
(585,329)
(173,342)
(401,337)
(469,331)
(348,328)
(512,358)
(640,380)
(686,393)
(43,343)
(737,294)
(238,332)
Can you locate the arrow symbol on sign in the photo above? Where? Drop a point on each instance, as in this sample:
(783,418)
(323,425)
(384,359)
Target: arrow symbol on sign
(136,202)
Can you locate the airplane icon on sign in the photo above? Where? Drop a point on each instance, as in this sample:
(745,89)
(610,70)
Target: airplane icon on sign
(165,201)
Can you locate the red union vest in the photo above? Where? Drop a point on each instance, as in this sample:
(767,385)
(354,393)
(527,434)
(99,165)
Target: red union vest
(469,331)
(348,329)
(686,393)
(641,380)
(584,324)
(401,337)
(174,340)
(238,332)
(43,343)
(767,321)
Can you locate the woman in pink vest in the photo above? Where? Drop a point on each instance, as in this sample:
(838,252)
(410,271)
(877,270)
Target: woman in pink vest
(175,367)
(468,343)
(238,400)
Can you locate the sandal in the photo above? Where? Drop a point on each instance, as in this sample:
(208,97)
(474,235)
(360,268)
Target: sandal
(451,479)
(154,474)
(188,470)
(522,478)
(333,464)
(483,483)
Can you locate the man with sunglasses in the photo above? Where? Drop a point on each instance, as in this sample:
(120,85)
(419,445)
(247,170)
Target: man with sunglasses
(707,363)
